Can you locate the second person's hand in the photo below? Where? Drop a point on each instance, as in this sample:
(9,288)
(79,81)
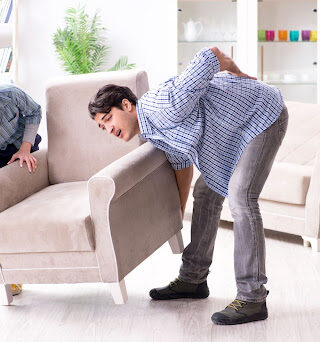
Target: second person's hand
(25,156)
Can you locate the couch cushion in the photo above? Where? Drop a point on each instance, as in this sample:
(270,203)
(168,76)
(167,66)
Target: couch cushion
(55,219)
(287,183)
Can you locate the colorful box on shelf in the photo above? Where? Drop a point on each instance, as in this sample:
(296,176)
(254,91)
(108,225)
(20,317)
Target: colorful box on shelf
(283,35)
(305,35)
(270,35)
(261,35)
(313,36)
(294,36)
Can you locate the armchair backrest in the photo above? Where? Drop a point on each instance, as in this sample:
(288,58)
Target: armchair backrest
(77,149)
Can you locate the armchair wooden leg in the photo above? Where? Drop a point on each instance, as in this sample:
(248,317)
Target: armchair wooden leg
(313,242)
(119,292)
(176,243)
(5,294)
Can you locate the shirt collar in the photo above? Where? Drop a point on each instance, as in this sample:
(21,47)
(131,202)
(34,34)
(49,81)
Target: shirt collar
(145,127)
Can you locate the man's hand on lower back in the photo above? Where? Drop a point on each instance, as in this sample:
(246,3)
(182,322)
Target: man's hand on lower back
(227,64)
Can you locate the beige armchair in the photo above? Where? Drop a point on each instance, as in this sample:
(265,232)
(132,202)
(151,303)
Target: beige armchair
(290,199)
(95,208)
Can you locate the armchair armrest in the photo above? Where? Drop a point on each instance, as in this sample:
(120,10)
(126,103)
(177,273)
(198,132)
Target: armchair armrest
(129,170)
(135,208)
(313,202)
(17,183)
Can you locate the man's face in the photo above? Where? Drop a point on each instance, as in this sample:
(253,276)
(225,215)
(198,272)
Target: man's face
(123,124)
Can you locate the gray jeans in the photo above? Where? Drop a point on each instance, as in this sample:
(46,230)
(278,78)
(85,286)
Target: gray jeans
(244,189)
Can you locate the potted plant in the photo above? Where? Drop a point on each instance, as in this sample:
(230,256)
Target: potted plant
(80,46)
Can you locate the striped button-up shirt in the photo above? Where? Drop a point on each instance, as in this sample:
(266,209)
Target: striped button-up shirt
(207,118)
(17,111)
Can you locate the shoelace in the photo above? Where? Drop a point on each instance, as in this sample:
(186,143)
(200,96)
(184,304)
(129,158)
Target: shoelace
(236,304)
(174,283)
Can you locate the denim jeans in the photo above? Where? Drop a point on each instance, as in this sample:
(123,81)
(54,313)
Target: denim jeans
(244,188)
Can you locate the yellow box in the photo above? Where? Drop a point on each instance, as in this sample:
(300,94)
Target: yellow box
(313,36)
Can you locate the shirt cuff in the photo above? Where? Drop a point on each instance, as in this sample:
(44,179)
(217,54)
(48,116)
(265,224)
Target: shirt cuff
(206,52)
(30,133)
(180,166)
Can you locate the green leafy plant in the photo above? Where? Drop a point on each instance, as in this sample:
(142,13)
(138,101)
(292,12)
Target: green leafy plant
(122,64)
(81,47)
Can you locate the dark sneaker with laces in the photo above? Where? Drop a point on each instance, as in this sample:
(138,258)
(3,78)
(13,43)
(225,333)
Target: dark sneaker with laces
(240,311)
(180,289)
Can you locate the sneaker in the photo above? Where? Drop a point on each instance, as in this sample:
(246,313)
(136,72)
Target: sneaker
(180,289)
(16,289)
(240,311)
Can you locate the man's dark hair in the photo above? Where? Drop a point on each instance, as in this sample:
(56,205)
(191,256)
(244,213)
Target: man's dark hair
(109,96)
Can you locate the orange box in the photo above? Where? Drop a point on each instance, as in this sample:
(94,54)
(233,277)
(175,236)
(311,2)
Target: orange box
(283,35)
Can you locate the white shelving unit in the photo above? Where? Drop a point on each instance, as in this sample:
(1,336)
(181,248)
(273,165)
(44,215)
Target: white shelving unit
(291,66)
(219,29)
(288,59)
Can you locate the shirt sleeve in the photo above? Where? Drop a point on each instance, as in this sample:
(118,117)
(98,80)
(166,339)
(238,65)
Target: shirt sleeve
(199,72)
(30,133)
(188,87)
(178,162)
(27,106)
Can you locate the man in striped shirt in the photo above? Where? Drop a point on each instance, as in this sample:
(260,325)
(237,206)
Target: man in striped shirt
(230,126)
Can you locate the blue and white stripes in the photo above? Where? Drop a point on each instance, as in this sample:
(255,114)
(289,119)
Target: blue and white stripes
(207,118)
(17,109)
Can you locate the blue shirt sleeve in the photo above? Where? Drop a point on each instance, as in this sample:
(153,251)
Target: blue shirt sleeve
(178,162)
(27,106)
(199,72)
(188,87)
(176,98)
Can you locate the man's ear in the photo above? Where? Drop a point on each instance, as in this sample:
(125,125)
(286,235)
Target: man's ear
(127,105)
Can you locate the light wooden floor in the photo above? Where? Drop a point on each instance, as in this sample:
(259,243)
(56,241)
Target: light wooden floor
(85,312)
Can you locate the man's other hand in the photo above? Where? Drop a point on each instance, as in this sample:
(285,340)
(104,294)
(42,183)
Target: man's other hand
(183,209)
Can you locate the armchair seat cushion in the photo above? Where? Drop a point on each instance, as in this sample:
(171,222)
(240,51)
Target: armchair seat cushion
(55,219)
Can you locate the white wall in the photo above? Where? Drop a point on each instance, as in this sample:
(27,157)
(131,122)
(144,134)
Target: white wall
(144,30)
